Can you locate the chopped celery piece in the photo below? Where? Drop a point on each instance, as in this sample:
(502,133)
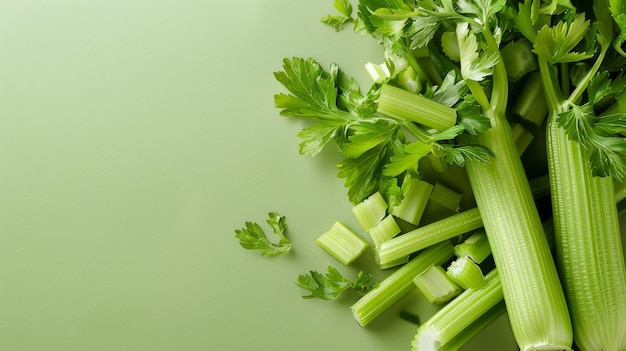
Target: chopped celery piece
(446,197)
(399,103)
(522,137)
(370,211)
(409,80)
(475,247)
(519,59)
(425,236)
(398,283)
(531,105)
(456,316)
(341,242)
(378,73)
(416,194)
(466,273)
(436,286)
(384,230)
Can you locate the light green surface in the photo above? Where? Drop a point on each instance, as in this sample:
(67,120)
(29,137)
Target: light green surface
(136,136)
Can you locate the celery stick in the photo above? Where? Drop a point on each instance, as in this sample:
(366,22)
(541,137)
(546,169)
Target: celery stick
(370,211)
(539,316)
(416,194)
(398,284)
(384,230)
(458,341)
(458,314)
(475,247)
(425,236)
(436,286)
(342,243)
(399,103)
(466,273)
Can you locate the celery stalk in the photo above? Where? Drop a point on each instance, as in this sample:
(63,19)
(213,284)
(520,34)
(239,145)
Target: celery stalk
(398,284)
(538,315)
(587,236)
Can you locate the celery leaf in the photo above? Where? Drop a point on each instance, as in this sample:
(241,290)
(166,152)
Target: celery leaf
(252,236)
(331,285)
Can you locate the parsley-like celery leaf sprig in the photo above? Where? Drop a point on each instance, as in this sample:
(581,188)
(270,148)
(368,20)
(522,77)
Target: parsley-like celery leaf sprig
(253,237)
(331,285)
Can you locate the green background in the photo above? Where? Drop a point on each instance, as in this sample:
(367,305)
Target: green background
(135,137)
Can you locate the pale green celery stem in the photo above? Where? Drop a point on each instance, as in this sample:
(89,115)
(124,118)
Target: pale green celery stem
(405,105)
(466,273)
(456,316)
(475,247)
(411,208)
(588,243)
(587,235)
(539,317)
(436,285)
(398,284)
(466,221)
(475,328)
(342,243)
(430,234)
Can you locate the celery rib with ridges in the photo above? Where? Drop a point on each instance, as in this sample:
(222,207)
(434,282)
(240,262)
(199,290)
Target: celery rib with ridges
(398,284)
(587,234)
(403,104)
(342,243)
(538,315)
(458,315)
(430,234)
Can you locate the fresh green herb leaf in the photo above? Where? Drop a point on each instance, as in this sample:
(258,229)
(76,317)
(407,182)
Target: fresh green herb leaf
(338,22)
(475,65)
(331,285)
(460,154)
(253,237)
(607,151)
(555,44)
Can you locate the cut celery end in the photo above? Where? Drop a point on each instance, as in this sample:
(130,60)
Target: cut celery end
(342,243)
(400,261)
(409,80)
(384,230)
(446,197)
(531,105)
(466,273)
(522,137)
(370,211)
(398,283)
(416,194)
(436,286)
(430,234)
(478,326)
(456,316)
(476,247)
(379,73)
(399,103)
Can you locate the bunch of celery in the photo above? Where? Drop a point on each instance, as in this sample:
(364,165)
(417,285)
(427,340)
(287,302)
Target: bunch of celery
(440,102)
